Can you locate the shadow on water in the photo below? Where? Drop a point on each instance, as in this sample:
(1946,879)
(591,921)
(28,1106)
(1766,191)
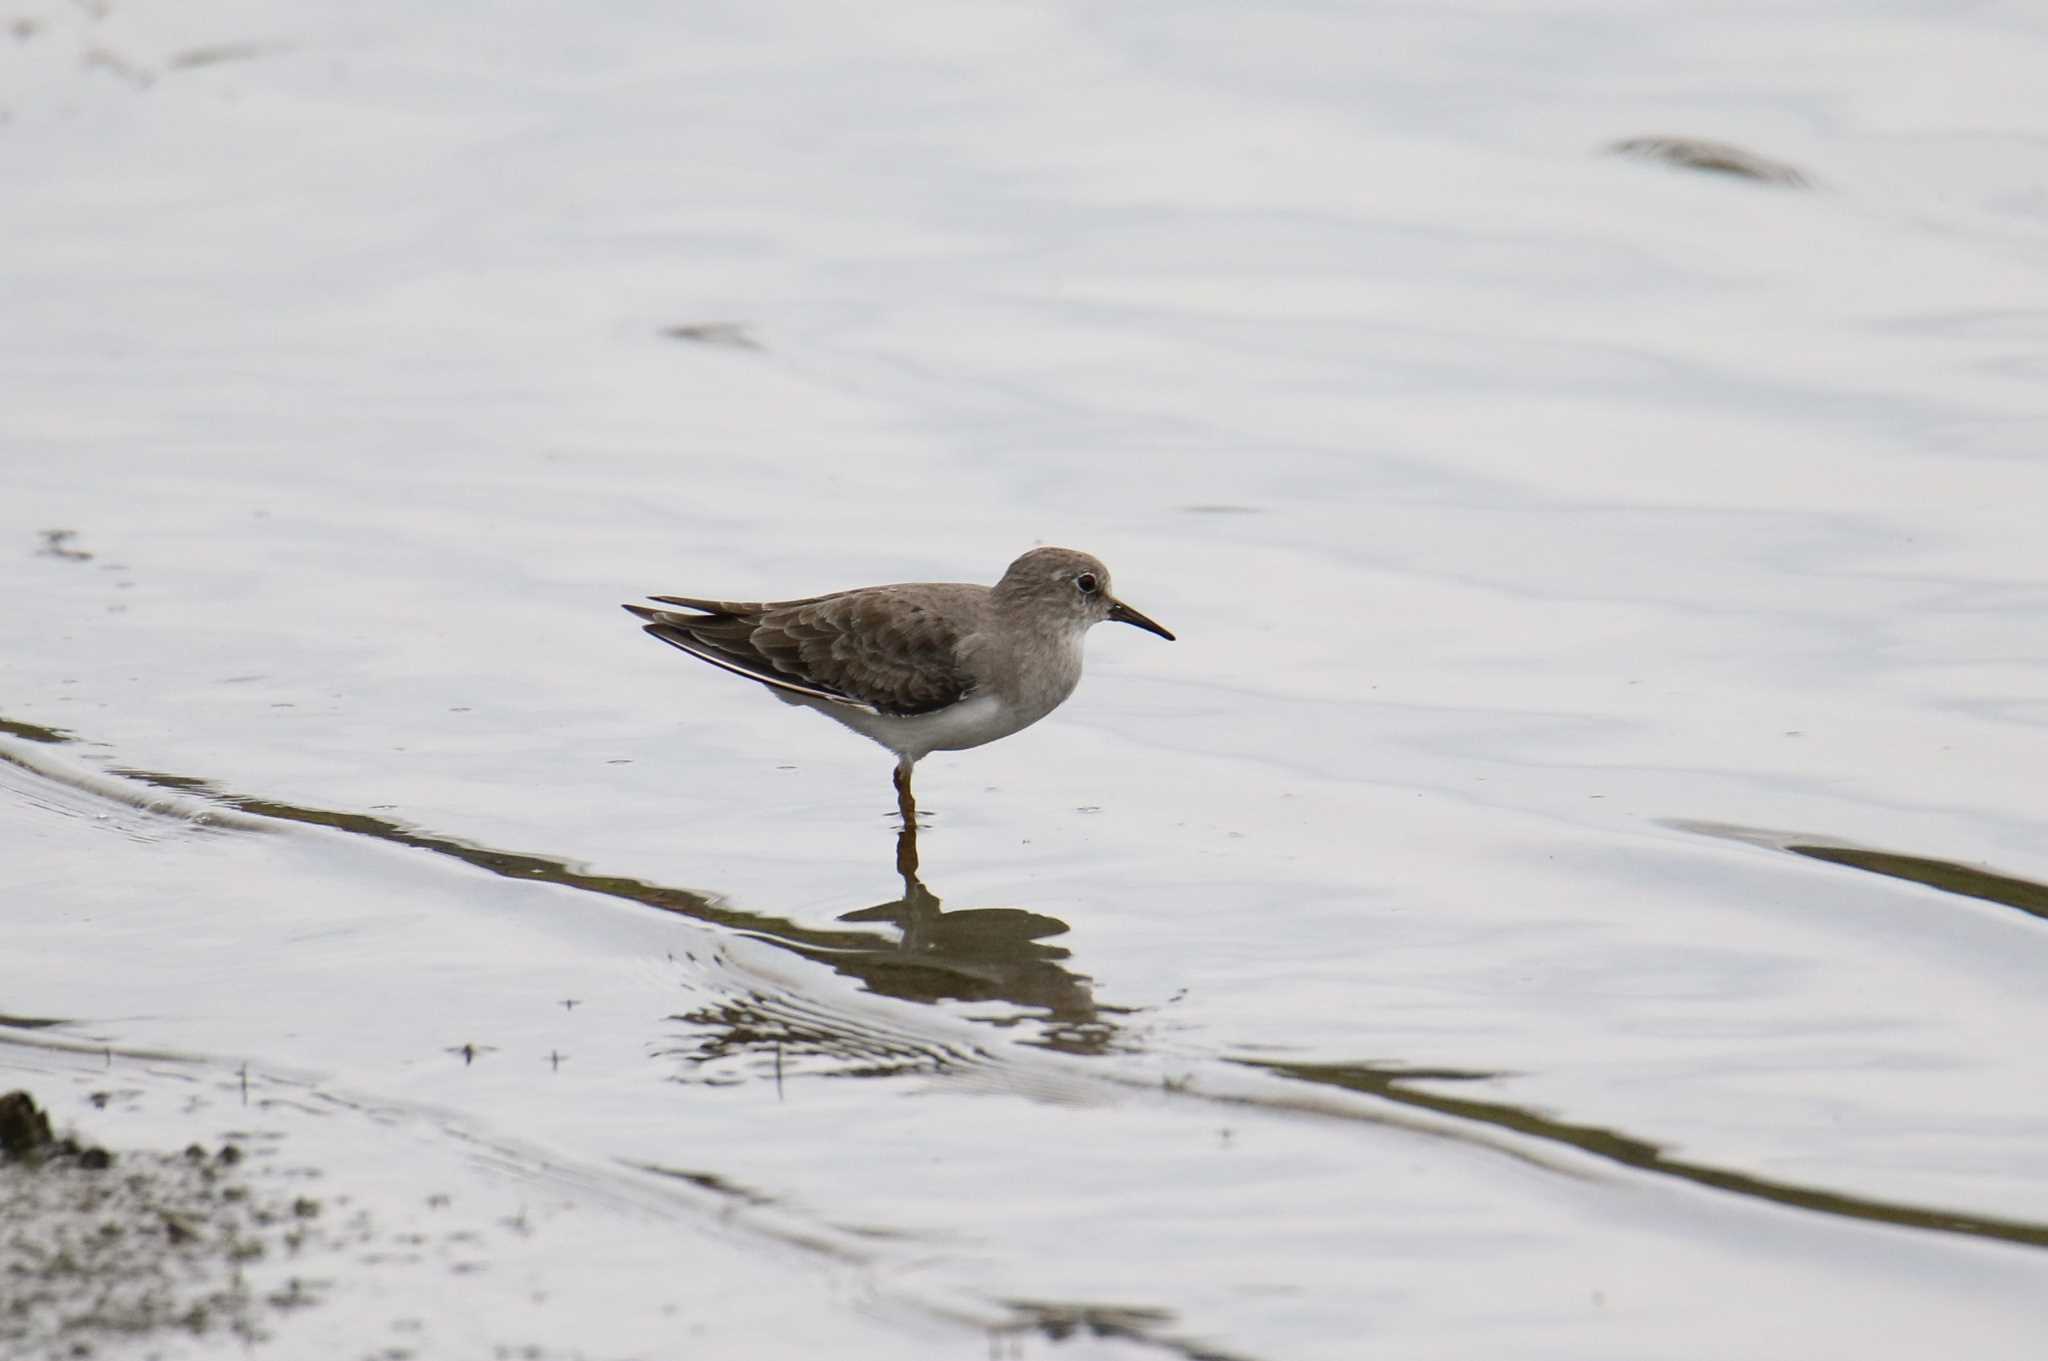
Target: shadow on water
(1640,1154)
(35,732)
(999,954)
(1946,876)
(30,1022)
(987,954)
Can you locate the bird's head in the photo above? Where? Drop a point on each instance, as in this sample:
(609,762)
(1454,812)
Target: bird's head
(1067,584)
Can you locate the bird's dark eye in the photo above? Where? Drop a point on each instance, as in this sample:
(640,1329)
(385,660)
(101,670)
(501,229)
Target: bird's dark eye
(1087,583)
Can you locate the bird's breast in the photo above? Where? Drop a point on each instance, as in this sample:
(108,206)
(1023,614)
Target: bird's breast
(1042,672)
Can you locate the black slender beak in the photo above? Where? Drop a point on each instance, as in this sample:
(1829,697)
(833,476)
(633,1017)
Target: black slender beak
(1124,614)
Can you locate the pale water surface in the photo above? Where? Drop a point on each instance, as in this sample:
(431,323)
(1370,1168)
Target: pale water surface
(1577,889)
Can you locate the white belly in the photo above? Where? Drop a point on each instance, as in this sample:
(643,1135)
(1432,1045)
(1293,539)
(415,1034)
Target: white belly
(973,721)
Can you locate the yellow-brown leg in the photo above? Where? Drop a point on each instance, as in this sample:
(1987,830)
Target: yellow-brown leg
(906,805)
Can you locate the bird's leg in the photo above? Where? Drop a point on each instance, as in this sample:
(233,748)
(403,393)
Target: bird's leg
(906,840)
(906,802)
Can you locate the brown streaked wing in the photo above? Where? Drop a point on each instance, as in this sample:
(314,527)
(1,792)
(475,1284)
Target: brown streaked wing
(895,648)
(723,640)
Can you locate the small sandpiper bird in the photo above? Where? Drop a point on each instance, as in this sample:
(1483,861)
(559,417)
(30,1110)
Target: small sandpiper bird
(920,667)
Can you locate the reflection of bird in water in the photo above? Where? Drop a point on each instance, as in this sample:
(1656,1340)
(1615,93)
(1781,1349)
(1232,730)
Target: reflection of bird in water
(982,954)
(975,953)
(920,667)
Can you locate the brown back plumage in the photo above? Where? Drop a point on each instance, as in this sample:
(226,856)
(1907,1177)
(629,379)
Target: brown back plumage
(885,648)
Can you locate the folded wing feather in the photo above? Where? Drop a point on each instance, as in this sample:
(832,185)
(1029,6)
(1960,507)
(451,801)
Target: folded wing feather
(884,650)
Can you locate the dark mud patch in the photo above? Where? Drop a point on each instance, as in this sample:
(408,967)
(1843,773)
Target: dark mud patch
(1715,158)
(58,543)
(219,53)
(101,1249)
(733,335)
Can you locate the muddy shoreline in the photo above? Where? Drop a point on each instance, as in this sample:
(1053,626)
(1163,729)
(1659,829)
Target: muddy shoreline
(104,1248)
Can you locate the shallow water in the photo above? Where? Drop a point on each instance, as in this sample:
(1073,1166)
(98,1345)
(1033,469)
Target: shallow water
(1575,888)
